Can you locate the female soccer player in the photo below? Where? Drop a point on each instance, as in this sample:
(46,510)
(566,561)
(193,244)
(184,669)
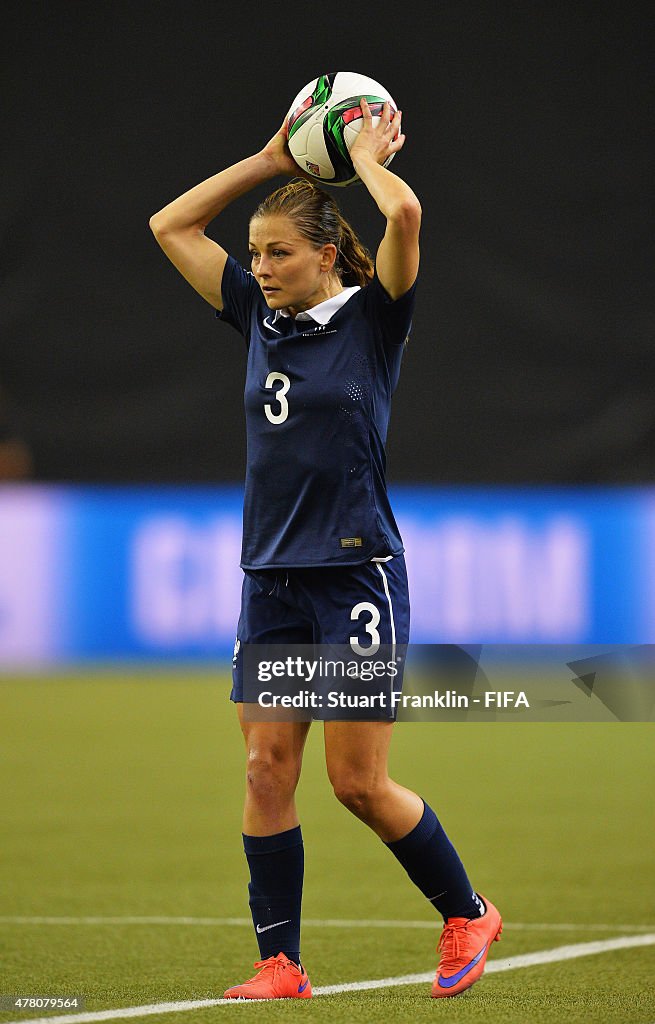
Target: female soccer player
(322,556)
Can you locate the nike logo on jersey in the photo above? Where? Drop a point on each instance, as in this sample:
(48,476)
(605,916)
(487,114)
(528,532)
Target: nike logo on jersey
(267,927)
(270,326)
(454,978)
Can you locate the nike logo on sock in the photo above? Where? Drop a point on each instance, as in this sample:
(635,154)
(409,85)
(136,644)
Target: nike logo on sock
(431,898)
(267,927)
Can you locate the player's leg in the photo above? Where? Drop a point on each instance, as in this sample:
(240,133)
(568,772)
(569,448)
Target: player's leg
(357,753)
(357,762)
(367,608)
(273,763)
(272,836)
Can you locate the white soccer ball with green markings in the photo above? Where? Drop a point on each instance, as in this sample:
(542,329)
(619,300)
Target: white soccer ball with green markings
(325,119)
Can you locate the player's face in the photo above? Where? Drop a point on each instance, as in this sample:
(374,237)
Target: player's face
(288,269)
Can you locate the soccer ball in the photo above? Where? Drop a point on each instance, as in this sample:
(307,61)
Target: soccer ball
(325,119)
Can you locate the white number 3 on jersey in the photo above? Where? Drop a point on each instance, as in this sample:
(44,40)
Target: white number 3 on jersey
(278,417)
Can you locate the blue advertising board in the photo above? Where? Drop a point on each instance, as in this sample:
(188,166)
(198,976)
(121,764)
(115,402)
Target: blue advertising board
(96,573)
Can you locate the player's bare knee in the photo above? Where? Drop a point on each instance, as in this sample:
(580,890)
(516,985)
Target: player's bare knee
(359,796)
(271,770)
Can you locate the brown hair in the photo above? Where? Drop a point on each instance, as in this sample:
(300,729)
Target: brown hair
(318,219)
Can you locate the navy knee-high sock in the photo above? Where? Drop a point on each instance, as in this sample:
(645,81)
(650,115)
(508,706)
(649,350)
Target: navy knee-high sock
(276,875)
(432,863)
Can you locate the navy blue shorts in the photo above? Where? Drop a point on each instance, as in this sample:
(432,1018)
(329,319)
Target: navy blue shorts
(364,607)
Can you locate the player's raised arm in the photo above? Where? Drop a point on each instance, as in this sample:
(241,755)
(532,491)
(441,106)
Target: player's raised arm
(398,254)
(180,227)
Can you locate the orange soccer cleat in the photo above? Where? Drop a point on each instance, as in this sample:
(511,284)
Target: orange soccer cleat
(276,978)
(464,945)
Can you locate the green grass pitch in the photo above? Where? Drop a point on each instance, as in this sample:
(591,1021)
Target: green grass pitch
(121,798)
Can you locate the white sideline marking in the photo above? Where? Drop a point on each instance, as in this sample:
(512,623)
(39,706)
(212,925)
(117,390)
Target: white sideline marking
(246,922)
(544,956)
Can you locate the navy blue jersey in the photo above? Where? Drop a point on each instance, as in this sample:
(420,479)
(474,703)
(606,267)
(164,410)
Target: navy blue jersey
(317,401)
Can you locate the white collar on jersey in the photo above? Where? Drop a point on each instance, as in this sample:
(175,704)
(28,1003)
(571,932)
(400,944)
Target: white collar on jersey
(324,311)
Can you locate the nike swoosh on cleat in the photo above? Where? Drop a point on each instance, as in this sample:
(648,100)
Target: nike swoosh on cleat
(301,988)
(454,978)
(259,929)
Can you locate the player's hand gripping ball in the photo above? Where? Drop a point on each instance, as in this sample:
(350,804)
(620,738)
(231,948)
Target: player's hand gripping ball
(325,119)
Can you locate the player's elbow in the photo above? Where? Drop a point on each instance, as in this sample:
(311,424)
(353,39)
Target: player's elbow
(165,226)
(157,225)
(407,213)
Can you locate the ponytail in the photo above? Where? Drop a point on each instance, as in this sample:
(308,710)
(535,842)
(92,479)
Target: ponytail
(317,218)
(354,262)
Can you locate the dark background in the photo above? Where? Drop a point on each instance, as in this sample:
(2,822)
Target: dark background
(532,356)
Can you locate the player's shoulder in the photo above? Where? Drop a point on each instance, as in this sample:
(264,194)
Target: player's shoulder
(375,292)
(235,275)
(389,319)
(241,296)
(378,306)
